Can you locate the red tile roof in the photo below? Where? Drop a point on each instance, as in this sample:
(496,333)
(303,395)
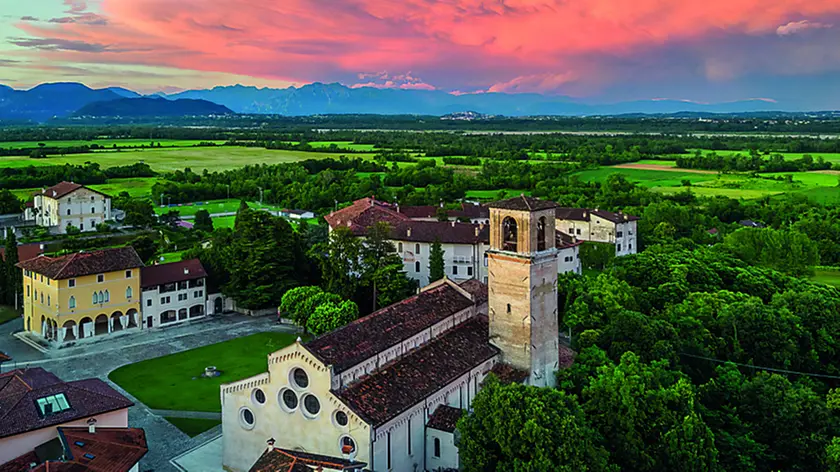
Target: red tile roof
(59,190)
(285,460)
(170,273)
(469,210)
(80,264)
(584,214)
(426,211)
(509,374)
(477,289)
(21,388)
(564,241)
(113,449)
(25,251)
(372,334)
(447,232)
(364,213)
(523,203)
(392,390)
(20,463)
(4,357)
(445,418)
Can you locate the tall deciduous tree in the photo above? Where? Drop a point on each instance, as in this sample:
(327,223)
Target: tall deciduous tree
(331,316)
(139,213)
(145,247)
(340,262)
(203,221)
(521,428)
(300,303)
(9,203)
(436,265)
(382,268)
(786,251)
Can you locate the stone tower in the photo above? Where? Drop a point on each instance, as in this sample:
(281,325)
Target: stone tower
(522,279)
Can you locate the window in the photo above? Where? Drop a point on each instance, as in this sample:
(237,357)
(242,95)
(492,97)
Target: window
(578,231)
(164,300)
(311,404)
(541,234)
(348,446)
(95,298)
(437,447)
(149,302)
(409,435)
(509,234)
(399,247)
(299,378)
(93,223)
(92,198)
(81,226)
(508,307)
(618,247)
(417,266)
(48,301)
(486,259)
(341,418)
(288,400)
(27,290)
(100,278)
(128,274)
(572,230)
(93,210)
(417,249)
(129,292)
(630,246)
(182,285)
(71,283)
(107,296)
(68,212)
(42,297)
(198,293)
(568,258)
(259,396)
(469,271)
(246,418)
(182,297)
(619,234)
(454,270)
(52,404)
(388,445)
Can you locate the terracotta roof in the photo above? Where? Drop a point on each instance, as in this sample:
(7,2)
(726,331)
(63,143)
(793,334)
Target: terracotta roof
(584,214)
(170,273)
(523,203)
(21,388)
(469,210)
(113,449)
(426,211)
(447,232)
(285,460)
(4,357)
(25,251)
(372,334)
(394,389)
(60,189)
(20,463)
(80,264)
(445,418)
(508,374)
(615,217)
(364,213)
(564,241)
(477,289)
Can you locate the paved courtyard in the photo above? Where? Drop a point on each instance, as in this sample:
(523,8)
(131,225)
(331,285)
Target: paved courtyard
(100,358)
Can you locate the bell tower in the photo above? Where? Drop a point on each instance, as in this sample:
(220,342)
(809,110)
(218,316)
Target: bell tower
(522,280)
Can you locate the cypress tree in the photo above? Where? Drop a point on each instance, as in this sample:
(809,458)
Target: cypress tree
(436,267)
(14,278)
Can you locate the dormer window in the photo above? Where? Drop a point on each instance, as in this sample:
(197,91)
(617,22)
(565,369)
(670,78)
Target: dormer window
(52,405)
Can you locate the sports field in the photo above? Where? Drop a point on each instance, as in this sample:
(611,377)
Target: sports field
(170,159)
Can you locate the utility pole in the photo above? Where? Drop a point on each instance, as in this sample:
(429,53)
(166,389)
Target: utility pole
(161,199)
(228,193)
(261,195)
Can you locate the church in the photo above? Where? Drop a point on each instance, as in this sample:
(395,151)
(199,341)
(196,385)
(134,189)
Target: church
(384,393)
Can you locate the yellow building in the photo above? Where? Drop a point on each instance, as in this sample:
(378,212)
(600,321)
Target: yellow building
(82,294)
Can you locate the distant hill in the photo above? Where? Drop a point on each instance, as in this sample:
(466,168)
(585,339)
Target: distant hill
(123,92)
(48,100)
(152,107)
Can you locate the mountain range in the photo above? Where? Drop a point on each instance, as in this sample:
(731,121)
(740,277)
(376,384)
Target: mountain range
(152,107)
(67,99)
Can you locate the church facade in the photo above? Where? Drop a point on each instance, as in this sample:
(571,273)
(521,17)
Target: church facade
(388,389)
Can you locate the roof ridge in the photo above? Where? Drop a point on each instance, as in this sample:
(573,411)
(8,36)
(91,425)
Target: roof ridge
(70,258)
(75,384)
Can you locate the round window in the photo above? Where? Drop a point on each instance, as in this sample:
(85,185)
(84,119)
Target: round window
(246,417)
(348,446)
(259,396)
(311,405)
(341,418)
(299,378)
(288,399)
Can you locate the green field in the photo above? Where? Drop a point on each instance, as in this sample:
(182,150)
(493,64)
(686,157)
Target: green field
(494,194)
(170,257)
(827,276)
(224,222)
(213,206)
(192,427)
(343,145)
(106,143)
(789,156)
(170,159)
(136,187)
(172,382)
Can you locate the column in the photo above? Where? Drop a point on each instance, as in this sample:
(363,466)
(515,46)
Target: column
(61,334)
(110,325)
(76,331)
(44,329)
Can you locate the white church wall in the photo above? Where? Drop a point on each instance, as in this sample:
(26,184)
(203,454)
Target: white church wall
(441,452)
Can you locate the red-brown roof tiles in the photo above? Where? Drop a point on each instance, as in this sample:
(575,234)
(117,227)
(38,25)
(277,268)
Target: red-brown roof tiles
(446,232)
(21,388)
(173,272)
(509,374)
(25,251)
(364,213)
(20,463)
(392,390)
(284,460)
(523,203)
(80,264)
(427,211)
(564,241)
(4,357)
(477,289)
(445,418)
(60,189)
(113,449)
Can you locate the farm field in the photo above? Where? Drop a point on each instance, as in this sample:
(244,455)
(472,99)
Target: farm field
(172,382)
(135,186)
(343,145)
(212,206)
(170,159)
(107,143)
(494,194)
(790,156)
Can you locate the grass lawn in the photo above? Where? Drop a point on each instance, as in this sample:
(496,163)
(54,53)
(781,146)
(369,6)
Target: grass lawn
(7,313)
(105,143)
(172,382)
(343,145)
(224,222)
(170,159)
(645,177)
(192,426)
(494,194)
(827,276)
(789,156)
(136,187)
(715,192)
(213,206)
(170,257)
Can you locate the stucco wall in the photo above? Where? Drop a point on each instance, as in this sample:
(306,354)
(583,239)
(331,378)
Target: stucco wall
(186,298)
(448,458)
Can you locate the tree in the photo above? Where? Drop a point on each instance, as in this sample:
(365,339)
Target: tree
(170,218)
(596,255)
(203,221)
(441,214)
(436,265)
(522,428)
(832,452)
(146,248)
(786,251)
(296,303)
(340,262)
(9,203)
(243,205)
(14,277)
(382,268)
(138,213)
(331,316)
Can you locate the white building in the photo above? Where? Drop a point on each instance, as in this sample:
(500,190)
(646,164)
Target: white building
(388,389)
(600,226)
(69,204)
(173,293)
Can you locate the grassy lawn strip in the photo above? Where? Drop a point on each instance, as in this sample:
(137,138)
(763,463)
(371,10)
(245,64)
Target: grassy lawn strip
(172,382)
(7,313)
(827,276)
(192,427)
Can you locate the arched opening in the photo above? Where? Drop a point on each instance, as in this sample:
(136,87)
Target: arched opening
(68,330)
(132,318)
(218,305)
(101,325)
(541,243)
(436,451)
(196,311)
(168,316)
(116,321)
(84,325)
(509,234)
(182,314)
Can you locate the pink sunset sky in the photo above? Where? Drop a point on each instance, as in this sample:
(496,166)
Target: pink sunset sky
(704,50)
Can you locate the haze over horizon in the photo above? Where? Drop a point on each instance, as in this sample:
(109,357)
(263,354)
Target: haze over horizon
(601,51)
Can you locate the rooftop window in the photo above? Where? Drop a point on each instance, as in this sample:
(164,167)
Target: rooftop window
(52,404)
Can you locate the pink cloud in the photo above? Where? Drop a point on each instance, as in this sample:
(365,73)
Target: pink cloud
(515,45)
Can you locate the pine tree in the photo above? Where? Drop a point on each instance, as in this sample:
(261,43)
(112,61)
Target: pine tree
(14,278)
(436,267)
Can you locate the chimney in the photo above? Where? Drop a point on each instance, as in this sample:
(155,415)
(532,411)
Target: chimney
(453,223)
(270,443)
(186,271)
(371,202)
(91,425)
(408,232)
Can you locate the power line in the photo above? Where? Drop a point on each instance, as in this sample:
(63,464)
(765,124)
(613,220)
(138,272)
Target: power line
(762,368)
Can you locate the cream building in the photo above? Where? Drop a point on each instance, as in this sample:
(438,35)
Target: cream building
(600,226)
(69,204)
(388,389)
